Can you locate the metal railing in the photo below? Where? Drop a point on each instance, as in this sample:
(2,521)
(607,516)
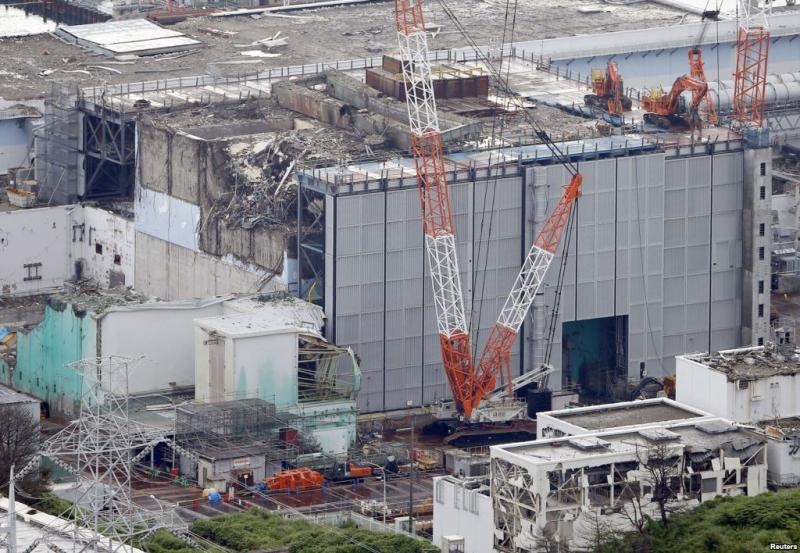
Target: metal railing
(105,94)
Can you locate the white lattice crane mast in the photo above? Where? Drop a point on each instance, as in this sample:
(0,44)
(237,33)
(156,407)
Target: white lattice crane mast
(497,352)
(440,245)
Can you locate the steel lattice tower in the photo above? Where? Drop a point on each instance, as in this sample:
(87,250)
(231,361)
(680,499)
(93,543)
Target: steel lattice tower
(752,55)
(100,448)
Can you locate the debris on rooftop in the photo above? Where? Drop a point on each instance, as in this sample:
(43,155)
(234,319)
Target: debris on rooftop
(751,363)
(781,428)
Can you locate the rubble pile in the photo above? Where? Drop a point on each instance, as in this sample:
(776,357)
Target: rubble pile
(263,187)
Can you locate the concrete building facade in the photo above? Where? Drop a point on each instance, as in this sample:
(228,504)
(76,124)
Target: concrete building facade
(463,508)
(74,329)
(553,492)
(46,247)
(654,266)
(746,385)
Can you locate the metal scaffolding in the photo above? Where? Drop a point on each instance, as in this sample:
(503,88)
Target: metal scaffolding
(57,160)
(251,425)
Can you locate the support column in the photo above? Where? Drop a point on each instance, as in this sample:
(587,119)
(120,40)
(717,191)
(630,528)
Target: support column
(756,244)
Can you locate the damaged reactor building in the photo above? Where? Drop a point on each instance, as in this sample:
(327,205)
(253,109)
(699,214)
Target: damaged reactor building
(299,178)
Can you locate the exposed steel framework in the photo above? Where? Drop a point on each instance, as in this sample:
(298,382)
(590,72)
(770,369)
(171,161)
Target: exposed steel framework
(698,72)
(468,383)
(752,54)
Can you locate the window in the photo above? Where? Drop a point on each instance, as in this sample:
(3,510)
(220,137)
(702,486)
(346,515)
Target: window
(761,341)
(762,193)
(763,169)
(117,259)
(98,248)
(760,286)
(761,253)
(762,229)
(33,271)
(760,309)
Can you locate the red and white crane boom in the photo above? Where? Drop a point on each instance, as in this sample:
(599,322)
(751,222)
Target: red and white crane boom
(440,244)
(504,333)
(752,55)
(468,383)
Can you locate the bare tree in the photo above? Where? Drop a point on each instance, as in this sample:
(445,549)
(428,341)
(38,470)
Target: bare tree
(630,506)
(662,468)
(598,534)
(19,439)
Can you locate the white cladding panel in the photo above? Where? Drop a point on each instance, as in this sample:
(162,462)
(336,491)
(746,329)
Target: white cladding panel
(159,338)
(34,249)
(461,512)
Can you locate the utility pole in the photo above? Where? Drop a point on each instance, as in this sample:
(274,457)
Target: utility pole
(12,516)
(411,480)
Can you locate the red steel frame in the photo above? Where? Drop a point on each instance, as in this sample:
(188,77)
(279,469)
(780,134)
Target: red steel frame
(750,78)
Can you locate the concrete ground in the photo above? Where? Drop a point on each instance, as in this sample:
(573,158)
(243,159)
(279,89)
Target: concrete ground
(344,496)
(31,63)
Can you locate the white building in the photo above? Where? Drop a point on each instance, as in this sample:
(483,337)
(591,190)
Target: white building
(157,336)
(553,490)
(745,385)
(42,248)
(39,532)
(614,416)
(650,416)
(462,508)
(759,385)
(272,348)
(783,450)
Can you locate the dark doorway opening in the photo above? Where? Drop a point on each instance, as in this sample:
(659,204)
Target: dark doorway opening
(594,357)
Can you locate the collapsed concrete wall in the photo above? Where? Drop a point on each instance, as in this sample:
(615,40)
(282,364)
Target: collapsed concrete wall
(188,182)
(349,103)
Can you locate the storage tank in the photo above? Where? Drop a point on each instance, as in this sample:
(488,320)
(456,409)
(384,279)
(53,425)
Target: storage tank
(539,401)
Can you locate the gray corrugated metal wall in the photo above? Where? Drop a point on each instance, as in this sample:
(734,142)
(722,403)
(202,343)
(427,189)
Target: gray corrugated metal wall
(654,263)
(642,243)
(394,335)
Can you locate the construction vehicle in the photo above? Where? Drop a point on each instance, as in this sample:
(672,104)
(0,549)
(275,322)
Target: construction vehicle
(470,383)
(651,387)
(697,67)
(669,110)
(304,478)
(347,472)
(608,91)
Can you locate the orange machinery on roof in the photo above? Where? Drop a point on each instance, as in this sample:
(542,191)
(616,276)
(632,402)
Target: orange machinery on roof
(698,72)
(666,111)
(608,90)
